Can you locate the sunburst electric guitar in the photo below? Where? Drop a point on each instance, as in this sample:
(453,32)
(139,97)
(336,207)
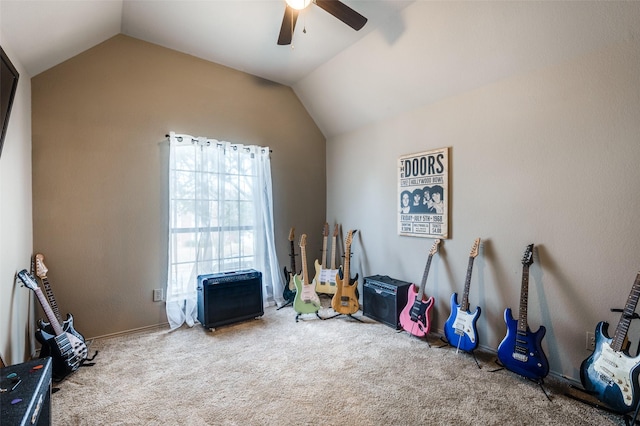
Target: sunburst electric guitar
(66,350)
(289,292)
(345,299)
(306,300)
(415,318)
(520,351)
(67,325)
(610,373)
(323,285)
(460,329)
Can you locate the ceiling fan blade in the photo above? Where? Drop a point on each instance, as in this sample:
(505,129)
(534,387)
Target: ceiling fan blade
(288,25)
(343,13)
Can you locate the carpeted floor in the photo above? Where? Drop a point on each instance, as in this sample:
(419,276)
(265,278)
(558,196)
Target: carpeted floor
(276,371)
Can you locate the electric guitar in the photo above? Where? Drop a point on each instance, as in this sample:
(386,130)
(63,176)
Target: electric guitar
(610,373)
(323,285)
(520,351)
(67,325)
(460,329)
(306,300)
(289,292)
(66,350)
(415,318)
(345,299)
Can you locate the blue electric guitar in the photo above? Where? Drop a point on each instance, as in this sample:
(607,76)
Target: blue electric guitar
(460,329)
(520,351)
(610,374)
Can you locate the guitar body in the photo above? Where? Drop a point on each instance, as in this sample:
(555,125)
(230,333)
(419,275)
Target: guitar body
(345,299)
(415,317)
(67,352)
(460,329)
(522,353)
(326,287)
(289,292)
(611,376)
(306,300)
(67,326)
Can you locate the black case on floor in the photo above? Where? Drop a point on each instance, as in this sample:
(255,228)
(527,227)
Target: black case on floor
(384,298)
(29,403)
(228,297)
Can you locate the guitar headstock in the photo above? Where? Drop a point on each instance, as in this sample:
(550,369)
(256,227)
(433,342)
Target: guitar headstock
(527,257)
(434,247)
(336,230)
(28,280)
(325,230)
(291,237)
(349,238)
(41,269)
(303,240)
(474,249)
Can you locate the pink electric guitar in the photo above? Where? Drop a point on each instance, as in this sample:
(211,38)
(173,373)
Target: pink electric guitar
(415,317)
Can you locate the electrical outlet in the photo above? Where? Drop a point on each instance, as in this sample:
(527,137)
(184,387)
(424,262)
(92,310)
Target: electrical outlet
(591,341)
(157,295)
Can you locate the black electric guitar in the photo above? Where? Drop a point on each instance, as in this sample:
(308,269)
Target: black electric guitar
(67,325)
(610,373)
(66,350)
(289,292)
(521,351)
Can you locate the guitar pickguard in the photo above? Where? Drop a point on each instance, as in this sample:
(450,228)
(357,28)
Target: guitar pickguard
(414,318)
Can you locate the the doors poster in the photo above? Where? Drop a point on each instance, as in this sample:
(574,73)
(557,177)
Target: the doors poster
(423,196)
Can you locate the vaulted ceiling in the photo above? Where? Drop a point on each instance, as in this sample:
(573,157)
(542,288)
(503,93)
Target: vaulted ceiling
(408,55)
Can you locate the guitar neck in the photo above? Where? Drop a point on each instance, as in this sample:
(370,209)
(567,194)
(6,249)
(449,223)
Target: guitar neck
(625,319)
(305,275)
(333,253)
(47,310)
(51,298)
(324,251)
(524,298)
(293,258)
(420,294)
(464,305)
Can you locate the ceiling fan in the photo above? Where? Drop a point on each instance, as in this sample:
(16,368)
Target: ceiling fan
(334,7)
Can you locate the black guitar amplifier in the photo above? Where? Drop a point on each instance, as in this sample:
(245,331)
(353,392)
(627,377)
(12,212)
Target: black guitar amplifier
(26,393)
(229,297)
(384,298)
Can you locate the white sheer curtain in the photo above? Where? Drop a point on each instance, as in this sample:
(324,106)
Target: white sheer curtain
(220,219)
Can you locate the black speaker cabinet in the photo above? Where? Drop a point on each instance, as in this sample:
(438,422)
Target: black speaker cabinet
(384,298)
(229,297)
(26,395)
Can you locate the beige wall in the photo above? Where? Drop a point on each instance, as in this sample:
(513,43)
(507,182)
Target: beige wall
(16,237)
(547,157)
(100,164)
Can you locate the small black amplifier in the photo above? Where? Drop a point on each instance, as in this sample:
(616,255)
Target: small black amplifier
(384,298)
(26,393)
(228,297)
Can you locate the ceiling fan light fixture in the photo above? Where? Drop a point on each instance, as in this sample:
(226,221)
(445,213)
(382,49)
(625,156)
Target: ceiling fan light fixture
(298,4)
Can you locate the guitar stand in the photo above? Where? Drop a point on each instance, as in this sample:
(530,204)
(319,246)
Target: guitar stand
(317,314)
(538,382)
(602,407)
(348,315)
(473,353)
(290,302)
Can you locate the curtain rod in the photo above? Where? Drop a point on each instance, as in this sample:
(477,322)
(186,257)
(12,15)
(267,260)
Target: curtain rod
(219,143)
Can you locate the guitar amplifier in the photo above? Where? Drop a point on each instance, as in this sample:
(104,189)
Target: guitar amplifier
(26,395)
(384,298)
(228,297)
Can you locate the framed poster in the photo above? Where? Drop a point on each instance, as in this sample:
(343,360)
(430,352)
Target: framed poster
(423,194)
